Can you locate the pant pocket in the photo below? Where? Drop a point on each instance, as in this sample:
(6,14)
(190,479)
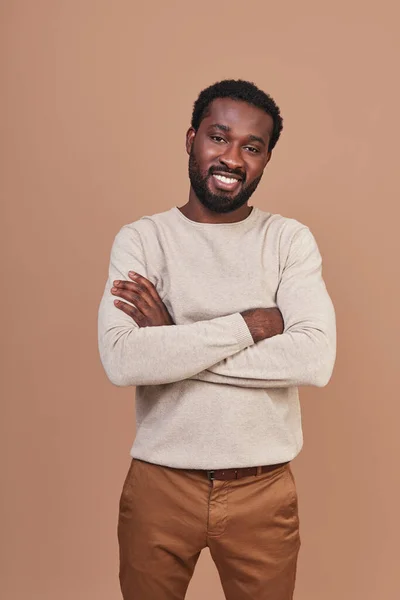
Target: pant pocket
(291,490)
(127,487)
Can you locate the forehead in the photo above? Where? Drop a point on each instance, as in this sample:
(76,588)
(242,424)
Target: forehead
(242,118)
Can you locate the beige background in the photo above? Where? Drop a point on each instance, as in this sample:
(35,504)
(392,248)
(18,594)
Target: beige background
(97,97)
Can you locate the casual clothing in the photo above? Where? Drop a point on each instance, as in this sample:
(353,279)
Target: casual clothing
(207,396)
(167,516)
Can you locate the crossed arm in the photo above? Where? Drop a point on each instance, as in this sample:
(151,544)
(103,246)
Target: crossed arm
(222,350)
(304,354)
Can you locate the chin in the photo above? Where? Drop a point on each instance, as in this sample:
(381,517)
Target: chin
(222,204)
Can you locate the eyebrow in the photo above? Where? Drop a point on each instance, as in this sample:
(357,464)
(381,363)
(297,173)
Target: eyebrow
(252,138)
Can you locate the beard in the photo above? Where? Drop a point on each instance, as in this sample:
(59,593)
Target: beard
(223,202)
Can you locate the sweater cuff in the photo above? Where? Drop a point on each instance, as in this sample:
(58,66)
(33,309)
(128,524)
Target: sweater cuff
(242,331)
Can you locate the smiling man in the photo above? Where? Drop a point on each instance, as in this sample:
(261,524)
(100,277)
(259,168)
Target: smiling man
(217,312)
(223,143)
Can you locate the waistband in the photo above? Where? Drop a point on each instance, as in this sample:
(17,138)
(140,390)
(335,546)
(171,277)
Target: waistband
(241,472)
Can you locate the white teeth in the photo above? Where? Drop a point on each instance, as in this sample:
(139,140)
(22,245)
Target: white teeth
(225,179)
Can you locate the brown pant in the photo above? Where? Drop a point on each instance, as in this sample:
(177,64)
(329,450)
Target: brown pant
(167,516)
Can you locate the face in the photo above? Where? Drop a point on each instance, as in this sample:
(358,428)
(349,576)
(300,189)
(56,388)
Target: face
(228,154)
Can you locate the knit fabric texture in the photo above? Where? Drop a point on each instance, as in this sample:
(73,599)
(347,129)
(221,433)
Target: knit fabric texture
(207,395)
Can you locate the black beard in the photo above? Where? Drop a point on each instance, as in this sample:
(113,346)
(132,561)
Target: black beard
(219,203)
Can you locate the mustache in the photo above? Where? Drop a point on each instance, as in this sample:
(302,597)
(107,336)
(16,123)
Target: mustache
(228,171)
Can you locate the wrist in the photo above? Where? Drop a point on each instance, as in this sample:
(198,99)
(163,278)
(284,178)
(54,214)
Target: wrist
(263,323)
(273,322)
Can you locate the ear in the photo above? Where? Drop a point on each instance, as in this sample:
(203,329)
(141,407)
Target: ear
(190,135)
(269,154)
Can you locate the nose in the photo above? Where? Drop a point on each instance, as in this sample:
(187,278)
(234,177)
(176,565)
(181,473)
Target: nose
(232,157)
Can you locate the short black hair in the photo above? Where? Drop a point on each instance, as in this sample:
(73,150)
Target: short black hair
(238,89)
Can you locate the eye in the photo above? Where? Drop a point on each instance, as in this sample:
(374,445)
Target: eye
(216,138)
(252,149)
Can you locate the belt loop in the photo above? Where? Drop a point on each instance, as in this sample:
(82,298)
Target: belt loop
(259,470)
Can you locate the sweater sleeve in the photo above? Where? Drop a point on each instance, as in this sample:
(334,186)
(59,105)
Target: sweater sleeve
(304,354)
(133,355)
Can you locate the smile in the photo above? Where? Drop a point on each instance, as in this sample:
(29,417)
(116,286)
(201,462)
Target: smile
(226,179)
(223,182)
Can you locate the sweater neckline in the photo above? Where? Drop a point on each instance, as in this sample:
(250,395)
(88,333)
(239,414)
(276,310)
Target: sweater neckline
(249,219)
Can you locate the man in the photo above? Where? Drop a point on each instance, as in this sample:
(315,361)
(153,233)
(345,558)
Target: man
(217,312)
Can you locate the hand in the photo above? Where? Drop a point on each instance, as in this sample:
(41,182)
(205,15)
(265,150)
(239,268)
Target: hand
(149,309)
(263,323)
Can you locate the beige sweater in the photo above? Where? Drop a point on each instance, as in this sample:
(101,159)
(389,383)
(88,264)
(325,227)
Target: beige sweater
(207,396)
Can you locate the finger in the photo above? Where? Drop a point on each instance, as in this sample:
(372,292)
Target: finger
(146,284)
(132,286)
(136,288)
(128,285)
(133,297)
(131,311)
